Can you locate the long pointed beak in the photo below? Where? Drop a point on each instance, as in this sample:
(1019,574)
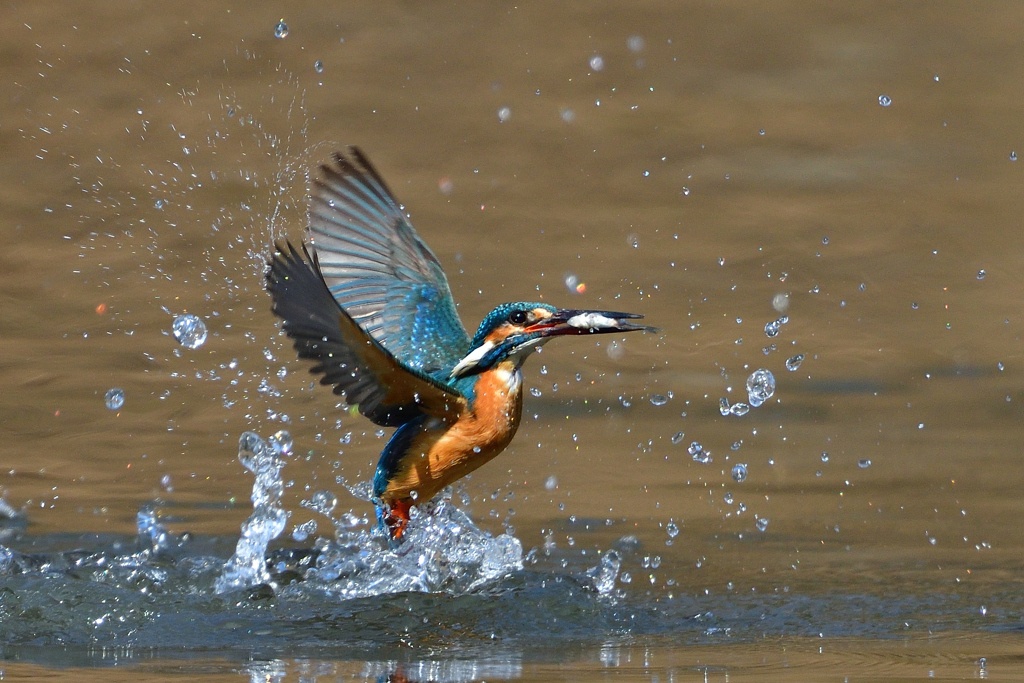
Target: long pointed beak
(570,321)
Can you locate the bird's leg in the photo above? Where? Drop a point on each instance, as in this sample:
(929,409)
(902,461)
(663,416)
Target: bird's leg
(396,519)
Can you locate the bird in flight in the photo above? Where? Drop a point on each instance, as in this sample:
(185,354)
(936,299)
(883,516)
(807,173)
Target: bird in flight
(368,302)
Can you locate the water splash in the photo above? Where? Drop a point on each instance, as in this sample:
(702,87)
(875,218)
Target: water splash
(247,567)
(605,574)
(442,551)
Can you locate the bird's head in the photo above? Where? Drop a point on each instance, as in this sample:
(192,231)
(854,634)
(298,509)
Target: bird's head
(515,330)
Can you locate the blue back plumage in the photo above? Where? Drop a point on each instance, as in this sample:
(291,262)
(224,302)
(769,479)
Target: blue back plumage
(379,270)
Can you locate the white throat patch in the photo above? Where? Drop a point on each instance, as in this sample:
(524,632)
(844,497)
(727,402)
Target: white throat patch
(472,359)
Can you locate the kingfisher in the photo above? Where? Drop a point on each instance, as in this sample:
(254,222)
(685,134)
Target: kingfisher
(367,301)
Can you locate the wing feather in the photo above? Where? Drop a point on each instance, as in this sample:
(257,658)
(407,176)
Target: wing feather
(386,390)
(379,270)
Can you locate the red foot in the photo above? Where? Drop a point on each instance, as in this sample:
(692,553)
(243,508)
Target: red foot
(397,518)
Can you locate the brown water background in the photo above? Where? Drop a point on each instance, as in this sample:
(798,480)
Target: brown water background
(723,153)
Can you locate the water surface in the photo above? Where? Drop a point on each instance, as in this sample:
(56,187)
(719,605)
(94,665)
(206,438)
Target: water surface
(696,163)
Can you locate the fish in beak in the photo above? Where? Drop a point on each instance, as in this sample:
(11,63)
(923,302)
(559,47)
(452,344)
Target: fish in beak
(572,321)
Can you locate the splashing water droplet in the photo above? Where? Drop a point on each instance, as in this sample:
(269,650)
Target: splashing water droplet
(605,574)
(658,400)
(303,531)
(739,409)
(323,502)
(864,463)
(739,472)
(551,483)
(1013,156)
(761,523)
(698,453)
(114,398)
(504,114)
(793,364)
(723,406)
(596,63)
(727,498)
(677,438)
(281,29)
(535,392)
(981,274)
(760,387)
(281,442)
(884,100)
(824,456)
(318,66)
(189,330)
(672,529)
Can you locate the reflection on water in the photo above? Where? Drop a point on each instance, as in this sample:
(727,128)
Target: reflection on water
(828,194)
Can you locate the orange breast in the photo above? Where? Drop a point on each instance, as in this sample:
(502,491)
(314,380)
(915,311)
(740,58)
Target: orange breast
(441,456)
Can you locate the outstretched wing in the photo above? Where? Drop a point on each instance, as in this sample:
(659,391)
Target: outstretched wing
(385,389)
(379,270)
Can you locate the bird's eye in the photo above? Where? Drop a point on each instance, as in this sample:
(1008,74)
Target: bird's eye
(517,317)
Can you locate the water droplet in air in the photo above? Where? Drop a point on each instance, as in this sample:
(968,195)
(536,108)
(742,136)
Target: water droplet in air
(281,29)
(318,66)
(793,364)
(686,192)
(721,261)
(824,456)
(281,442)
(504,114)
(1013,156)
(658,400)
(772,329)
(159,204)
(303,531)
(635,43)
(633,241)
(677,438)
(165,481)
(698,453)
(760,387)
(863,463)
(761,523)
(824,240)
(189,330)
(981,274)
(672,529)
(596,62)
(727,498)
(723,406)
(551,483)
(884,100)
(780,302)
(114,398)
(761,132)
(739,409)
(323,502)
(534,391)
(984,611)
(739,472)
(568,115)
(998,365)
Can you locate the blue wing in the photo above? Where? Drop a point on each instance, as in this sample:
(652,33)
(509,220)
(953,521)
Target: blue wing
(386,391)
(379,270)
